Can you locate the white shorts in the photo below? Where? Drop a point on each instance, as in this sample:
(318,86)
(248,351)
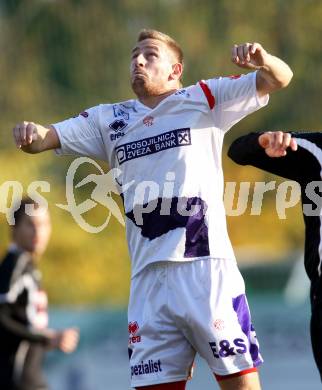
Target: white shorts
(177,309)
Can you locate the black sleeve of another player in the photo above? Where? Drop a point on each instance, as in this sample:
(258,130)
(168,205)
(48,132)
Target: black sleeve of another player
(12,328)
(296,165)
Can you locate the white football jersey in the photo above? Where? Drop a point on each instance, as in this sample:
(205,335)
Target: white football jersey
(169,159)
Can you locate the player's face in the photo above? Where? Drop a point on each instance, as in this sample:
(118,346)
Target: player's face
(152,65)
(32,232)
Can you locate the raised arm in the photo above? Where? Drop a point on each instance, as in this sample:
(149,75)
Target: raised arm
(16,329)
(273,73)
(34,138)
(81,135)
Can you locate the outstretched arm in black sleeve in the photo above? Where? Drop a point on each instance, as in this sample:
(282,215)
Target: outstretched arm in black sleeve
(295,156)
(18,330)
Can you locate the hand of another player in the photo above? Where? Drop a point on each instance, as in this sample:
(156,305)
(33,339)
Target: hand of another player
(276,143)
(25,134)
(65,340)
(249,55)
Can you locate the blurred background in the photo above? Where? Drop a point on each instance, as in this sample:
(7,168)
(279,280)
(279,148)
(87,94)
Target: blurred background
(58,58)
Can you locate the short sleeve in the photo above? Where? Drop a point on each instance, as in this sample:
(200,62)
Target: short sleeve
(235,98)
(81,135)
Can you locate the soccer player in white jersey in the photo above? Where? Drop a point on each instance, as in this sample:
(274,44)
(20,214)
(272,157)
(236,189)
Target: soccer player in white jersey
(187,294)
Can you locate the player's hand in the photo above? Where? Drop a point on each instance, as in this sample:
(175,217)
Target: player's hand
(25,134)
(65,340)
(68,340)
(249,55)
(275,143)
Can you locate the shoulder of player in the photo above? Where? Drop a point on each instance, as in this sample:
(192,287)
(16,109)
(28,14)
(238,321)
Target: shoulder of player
(228,78)
(215,81)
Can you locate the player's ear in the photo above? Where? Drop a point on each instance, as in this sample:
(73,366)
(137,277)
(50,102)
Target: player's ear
(177,70)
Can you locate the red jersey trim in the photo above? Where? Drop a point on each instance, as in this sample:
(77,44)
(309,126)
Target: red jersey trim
(210,97)
(236,374)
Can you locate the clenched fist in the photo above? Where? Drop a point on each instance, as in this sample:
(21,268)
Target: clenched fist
(33,138)
(66,340)
(249,55)
(25,133)
(276,143)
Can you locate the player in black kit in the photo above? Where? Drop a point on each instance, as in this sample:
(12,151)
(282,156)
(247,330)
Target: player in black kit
(24,335)
(295,156)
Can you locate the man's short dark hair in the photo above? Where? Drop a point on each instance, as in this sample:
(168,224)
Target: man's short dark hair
(21,211)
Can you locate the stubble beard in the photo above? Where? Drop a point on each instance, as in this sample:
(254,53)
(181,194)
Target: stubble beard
(142,88)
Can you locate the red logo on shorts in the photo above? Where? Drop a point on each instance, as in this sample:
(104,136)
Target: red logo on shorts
(133,328)
(219,324)
(148,120)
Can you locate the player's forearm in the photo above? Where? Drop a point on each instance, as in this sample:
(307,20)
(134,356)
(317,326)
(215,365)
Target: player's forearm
(274,74)
(246,150)
(252,149)
(34,138)
(19,330)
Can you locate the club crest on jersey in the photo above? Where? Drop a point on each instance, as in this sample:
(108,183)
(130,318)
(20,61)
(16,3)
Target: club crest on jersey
(133,329)
(148,120)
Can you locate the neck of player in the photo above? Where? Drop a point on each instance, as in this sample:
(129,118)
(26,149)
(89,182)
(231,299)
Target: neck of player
(152,101)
